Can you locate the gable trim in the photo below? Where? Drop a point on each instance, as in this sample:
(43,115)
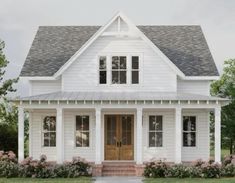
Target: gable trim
(99,33)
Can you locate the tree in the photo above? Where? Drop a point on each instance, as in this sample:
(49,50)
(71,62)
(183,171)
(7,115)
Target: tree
(225,87)
(5,86)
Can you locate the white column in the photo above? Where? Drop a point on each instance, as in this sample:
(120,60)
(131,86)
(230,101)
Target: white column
(98,136)
(139,148)
(218,135)
(59,136)
(178,135)
(20,133)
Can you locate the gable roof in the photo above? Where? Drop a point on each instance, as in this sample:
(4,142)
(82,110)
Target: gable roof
(185,46)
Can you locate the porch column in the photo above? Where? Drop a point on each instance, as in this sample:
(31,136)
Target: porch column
(20,134)
(59,136)
(98,136)
(139,147)
(218,134)
(178,135)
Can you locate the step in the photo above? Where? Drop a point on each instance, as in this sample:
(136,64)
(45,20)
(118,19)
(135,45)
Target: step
(118,169)
(118,174)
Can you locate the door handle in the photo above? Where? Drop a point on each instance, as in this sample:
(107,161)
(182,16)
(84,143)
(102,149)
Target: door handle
(117,144)
(120,144)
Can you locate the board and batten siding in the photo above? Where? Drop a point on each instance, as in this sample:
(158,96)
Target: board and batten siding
(43,87)
(155,74)
(195,87)
(167,151)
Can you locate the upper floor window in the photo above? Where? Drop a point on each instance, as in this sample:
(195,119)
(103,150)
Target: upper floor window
(102,70)
(82,131)
(119,70)
(155,131)
(49,131)
(135,70)
(189,131)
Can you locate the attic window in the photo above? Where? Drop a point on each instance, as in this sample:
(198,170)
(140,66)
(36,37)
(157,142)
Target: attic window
(119,70)
(102,70)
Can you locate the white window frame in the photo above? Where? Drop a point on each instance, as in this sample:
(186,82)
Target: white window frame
(42,130)
(119,70)
(196,131)
(106,69)
(135,69)
(148,131)
(128,55)
(90,130)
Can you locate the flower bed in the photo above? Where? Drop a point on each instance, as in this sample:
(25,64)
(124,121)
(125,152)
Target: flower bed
(198,169)
(9,167)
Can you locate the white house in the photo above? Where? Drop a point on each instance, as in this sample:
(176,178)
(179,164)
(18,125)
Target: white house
(120,93)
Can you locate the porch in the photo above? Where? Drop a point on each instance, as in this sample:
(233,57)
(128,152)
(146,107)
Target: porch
(140,149)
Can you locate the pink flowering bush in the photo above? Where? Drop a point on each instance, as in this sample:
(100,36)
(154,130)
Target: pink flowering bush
(156,169)
(9,167)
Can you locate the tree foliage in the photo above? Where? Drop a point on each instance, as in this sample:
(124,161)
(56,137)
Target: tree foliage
(5,85)
(225,87)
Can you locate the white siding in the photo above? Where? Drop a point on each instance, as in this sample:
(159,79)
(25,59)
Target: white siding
(36,136)
(70,149)
(195,87)
(166,152)
(155,74)
(42,87)
(202,149)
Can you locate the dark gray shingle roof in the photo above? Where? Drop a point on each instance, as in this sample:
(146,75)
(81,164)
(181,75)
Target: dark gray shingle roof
(185,46)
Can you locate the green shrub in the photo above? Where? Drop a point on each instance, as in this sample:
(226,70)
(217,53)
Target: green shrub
(211,170)
(228,170)
(179,170)
(8,164)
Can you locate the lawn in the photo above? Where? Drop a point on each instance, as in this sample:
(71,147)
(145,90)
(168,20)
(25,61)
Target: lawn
(186,180)
(31,180)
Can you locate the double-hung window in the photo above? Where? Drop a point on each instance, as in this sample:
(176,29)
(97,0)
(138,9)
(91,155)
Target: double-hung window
(134,69)
(82,131)
(189,131)
(102,70)
(49,131)
(119,70)
(155,131)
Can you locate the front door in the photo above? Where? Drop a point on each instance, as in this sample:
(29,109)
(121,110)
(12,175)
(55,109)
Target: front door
(119,137)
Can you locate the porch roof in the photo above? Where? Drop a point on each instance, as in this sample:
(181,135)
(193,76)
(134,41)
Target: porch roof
(109,96)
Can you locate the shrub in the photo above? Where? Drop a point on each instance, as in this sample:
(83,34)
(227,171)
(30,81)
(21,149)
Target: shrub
(8,164)
(156,169)
(211,170)
(179,170)
(228,170)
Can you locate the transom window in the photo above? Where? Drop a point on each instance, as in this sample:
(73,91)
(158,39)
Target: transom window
(82,131)
(189,131)
(102,70)
(135,70)
(155,131)
(119,70)
(49,131)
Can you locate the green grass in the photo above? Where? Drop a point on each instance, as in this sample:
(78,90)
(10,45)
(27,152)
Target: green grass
(192,180)
(31,180)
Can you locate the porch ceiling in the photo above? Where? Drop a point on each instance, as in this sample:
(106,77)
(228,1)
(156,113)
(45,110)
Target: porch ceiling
(118,96)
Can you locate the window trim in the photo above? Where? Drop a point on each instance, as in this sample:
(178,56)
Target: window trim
(182,130)
(100,70)
(41,130)
(90,130)
(147,129)
(129,69)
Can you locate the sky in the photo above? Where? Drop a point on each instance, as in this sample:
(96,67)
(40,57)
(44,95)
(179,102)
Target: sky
(19,21)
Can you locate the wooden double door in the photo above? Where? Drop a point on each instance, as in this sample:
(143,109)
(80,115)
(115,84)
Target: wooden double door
(119,137)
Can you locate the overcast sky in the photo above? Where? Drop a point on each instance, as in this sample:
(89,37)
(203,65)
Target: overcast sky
(19,20)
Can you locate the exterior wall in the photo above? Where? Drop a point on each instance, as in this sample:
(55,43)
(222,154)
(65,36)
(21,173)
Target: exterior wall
(195,87)
(155,74)
(202,149)
(167,151)
(36,148)
(42,87)
(70,149)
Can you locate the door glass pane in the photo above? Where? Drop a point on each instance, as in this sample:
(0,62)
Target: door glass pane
(126,130)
